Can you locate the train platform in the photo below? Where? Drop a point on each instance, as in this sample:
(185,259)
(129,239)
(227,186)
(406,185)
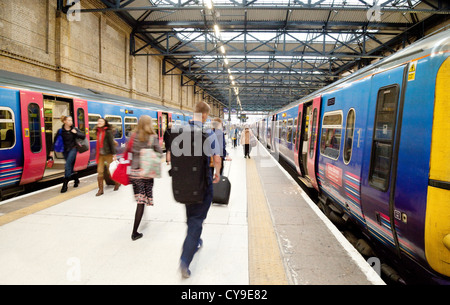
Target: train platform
(269,233)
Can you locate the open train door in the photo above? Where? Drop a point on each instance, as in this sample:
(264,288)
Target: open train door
(33,136)
(297,139)
(81,122)
(312,150)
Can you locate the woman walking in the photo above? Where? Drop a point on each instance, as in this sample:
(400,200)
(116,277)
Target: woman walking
(106,152)
(144,137)
(65,141)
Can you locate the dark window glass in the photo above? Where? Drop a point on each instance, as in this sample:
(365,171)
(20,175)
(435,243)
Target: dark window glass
(382,143)
(130,125)
(93,120)
(313,134)
(80,118)
(349,131)
(7,132)
(34,123)
(116,124)
(330,142)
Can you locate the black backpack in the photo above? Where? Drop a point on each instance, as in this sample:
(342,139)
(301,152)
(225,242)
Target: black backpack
(190,169)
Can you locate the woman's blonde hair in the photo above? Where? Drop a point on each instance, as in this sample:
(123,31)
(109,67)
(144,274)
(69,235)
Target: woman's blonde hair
(144,128)
(65,117)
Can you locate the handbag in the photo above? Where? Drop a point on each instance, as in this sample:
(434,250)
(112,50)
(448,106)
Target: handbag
(150,161)
(82,145)
(113,166)
(122,171)
(59,142)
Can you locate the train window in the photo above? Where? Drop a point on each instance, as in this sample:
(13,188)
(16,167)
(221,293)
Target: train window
(382,143)
(283,130)
(80,119)
(155,126)
(330,141)
(93,118)
(294,138)
(289,131)
(116,124)
(7,131)
(349,132)
(313,134)
(34,124)
(130,125)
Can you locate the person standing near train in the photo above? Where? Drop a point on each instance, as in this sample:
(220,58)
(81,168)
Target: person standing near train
(65,142)
(106,152)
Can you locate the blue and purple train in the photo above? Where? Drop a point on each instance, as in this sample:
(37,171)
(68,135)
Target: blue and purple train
(30,112)
(375,145)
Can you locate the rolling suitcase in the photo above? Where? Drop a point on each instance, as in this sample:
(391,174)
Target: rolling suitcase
(221,190)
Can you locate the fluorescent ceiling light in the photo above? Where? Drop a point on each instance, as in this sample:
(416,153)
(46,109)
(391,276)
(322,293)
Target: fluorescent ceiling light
(209,4)
(217,30)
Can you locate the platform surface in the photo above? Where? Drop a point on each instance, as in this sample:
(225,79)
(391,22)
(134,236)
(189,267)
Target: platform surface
(268,234)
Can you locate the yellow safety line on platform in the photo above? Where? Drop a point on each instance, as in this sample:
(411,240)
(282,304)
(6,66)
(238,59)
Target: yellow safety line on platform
(7,218)
(265,261)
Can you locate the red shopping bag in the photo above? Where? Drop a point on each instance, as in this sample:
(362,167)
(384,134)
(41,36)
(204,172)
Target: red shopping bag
(123,168)
(121,173)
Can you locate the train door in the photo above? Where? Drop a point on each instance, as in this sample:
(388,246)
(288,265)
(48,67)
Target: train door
(33,136)
(379,165)
(54,109)
(312,149)
(81,122)
(297,137)
(303,139)
(269,132)
(275,133)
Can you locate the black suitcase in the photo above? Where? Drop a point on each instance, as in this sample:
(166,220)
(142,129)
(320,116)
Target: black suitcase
(221,191)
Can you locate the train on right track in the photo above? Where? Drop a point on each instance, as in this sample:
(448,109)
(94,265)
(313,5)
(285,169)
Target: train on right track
(376,147)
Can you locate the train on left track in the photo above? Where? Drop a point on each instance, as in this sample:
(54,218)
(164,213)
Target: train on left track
(30,112)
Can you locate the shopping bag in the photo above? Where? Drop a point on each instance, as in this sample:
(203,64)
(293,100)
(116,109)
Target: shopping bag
(113,166)
(121,172)
(123,169)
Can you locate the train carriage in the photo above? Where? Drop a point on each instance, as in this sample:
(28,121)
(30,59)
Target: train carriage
(375,147)
(30,112)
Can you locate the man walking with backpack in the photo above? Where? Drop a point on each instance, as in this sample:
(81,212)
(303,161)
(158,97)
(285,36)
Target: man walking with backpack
(185,170)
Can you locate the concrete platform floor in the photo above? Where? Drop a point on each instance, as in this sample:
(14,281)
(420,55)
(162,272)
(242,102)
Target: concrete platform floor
(268,234)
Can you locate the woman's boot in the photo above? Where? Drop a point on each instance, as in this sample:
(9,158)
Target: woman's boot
(100,186)
(116,186)
(65,183)
(76,180)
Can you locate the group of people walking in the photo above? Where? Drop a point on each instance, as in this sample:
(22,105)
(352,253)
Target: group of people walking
(145,137)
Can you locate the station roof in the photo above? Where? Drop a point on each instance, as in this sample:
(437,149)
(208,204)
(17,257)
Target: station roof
(264,54)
